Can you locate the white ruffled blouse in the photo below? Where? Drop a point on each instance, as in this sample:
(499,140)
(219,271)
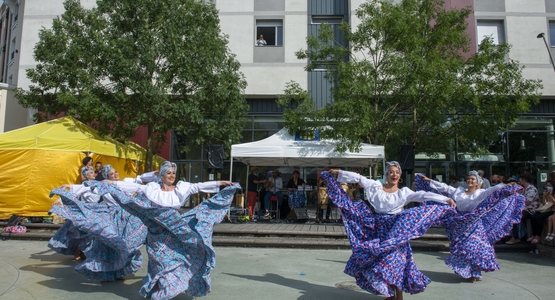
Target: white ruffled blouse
(176,198)
(465,202)
(85,193)
(384,202)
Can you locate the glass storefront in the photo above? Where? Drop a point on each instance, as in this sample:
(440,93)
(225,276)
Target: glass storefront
(530,144)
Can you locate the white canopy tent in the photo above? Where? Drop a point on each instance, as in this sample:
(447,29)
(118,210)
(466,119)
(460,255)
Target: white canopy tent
(283,149)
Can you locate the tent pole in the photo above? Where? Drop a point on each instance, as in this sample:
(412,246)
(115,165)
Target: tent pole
(230,177)
(231,168)
(247,182)
(383,165)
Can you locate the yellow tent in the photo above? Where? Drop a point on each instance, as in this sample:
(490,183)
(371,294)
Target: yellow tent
(38,158)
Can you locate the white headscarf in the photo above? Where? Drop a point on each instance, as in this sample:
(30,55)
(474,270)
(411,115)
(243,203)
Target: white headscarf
(165,167)
(85,171)
(478,177)
(393,163)
(106,170)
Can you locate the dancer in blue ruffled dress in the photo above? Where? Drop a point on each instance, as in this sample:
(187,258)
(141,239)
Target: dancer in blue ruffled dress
(113,236)
(68,239)
(485,216)
(382,261)
(180,252)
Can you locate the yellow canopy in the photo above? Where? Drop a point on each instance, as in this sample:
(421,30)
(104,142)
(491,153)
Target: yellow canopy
(38,158)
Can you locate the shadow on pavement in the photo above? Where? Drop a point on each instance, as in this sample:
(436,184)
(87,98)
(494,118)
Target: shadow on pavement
(309,290)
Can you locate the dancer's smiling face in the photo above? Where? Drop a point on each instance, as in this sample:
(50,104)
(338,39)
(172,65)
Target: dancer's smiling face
(393,175)
(113,175)
(91,175)
(169,177)
(471,181)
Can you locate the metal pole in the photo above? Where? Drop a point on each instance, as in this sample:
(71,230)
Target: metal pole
(542,35)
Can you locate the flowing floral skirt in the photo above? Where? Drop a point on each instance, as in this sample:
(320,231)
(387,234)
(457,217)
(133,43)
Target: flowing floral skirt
(296,198)
(382,255)
(113,237)
(68,239)
(180,252)
(472,234)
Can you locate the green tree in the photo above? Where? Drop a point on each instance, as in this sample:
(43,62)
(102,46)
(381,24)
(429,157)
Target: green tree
(406,77)
(124,64)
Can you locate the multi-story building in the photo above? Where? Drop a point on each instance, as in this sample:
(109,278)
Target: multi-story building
(285,25)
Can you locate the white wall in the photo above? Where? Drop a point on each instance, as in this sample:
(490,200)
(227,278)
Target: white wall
(238,21)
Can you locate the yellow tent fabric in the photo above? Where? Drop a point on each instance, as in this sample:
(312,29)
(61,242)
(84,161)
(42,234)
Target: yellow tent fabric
(38,158)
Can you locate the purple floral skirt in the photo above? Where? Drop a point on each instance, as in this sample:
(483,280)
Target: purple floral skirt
(382,255)
(472,234)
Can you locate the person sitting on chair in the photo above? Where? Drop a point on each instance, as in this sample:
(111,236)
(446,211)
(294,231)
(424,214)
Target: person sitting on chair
(273,188)
(296,198)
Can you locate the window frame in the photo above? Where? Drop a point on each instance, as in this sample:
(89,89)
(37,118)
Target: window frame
(267,25)
(321,19)
(498,35)
(551,35)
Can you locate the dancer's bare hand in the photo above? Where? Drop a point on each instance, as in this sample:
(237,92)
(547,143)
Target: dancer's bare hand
(425,178)
(225,183)
(334,171)
(451,202)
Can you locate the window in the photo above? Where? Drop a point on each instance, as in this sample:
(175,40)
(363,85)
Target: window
(327,19)
(271,30)
(491,28)
(552,34)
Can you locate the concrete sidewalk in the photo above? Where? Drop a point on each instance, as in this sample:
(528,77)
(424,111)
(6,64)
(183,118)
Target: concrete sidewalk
(32,271)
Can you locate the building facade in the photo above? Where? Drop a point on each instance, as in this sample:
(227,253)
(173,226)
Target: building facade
(285,25)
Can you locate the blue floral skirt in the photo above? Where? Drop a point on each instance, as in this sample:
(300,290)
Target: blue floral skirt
(296,198)
(472,234)
(382,256)
(180,252)
(113,237)
(68,239)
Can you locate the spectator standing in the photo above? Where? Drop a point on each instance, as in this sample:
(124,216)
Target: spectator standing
(98,171)
(87,163)
(453,181)
(486,185)
(544,212)
(530,192)
(252,188)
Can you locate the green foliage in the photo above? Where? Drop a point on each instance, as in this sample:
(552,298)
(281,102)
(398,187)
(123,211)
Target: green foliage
(124,64)
(407,78)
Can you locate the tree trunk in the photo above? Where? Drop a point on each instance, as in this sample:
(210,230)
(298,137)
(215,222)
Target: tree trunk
(149,149)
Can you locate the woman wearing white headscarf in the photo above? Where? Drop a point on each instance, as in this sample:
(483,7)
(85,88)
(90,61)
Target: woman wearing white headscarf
(180,252)
(484,216)
(382,261)
(69,240)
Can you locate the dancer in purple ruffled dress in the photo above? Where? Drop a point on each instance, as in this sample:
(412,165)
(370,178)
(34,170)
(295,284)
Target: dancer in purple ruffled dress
(382,261)
(484,217)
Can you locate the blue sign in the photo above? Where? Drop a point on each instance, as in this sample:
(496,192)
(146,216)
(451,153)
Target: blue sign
(308,135)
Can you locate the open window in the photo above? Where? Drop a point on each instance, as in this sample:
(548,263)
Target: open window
(271,30)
